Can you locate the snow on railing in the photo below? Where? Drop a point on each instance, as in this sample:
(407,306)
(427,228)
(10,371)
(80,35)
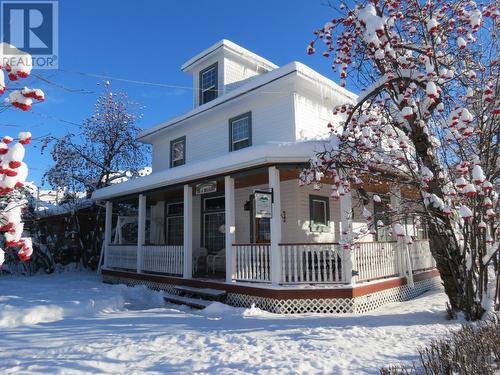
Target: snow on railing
(162,259)
(251,262)
(375,260)
(121,256)
(312,263)
(420,255)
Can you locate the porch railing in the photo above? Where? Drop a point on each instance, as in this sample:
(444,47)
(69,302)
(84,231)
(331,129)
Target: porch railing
(312,263)
(163,259)
(375,260)
(121,256)
(420,255)
(251,262)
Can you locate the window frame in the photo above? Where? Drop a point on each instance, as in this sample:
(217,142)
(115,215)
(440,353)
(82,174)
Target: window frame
(168,217)
(319,227)
(233,120)
(215,88)
(172,143)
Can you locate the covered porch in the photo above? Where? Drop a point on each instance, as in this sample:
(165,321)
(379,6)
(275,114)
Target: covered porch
(185,230)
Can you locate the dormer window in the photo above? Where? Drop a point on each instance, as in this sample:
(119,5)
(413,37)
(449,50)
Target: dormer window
(208,84)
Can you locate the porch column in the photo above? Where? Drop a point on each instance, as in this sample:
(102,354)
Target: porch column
(188,233)
(229,225)
(274,250)
(141,230)
(108,223)
(348,255)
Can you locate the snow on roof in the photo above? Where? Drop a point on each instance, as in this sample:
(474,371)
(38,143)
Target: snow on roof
(253,84)
(224,43)
(270,152)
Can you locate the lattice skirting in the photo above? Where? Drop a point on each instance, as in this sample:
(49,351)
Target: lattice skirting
(360,304)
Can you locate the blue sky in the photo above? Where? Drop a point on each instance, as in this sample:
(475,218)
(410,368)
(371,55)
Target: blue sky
(148,40)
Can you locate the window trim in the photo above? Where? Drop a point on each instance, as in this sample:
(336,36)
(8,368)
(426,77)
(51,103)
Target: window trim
(316,227)
(200,82)
(234,119)
(172,142)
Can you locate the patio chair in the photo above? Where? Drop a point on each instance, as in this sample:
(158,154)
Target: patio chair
(199,254)
(215,260)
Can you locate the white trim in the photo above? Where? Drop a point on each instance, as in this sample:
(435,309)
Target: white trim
(224,43)
(188,232)
(274,184)
(229,225)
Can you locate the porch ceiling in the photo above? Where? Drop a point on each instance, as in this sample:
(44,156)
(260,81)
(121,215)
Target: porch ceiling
(266,154)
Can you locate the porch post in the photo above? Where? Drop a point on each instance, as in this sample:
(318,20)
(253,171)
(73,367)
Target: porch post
(229,225)
(141,230)
(348,255)
(188,233)
(108,223)
(274,250)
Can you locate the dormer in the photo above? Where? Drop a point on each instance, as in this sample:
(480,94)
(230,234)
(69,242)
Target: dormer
(222,68)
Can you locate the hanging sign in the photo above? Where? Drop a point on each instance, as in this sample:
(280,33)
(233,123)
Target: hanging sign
(206,187)
(263,204)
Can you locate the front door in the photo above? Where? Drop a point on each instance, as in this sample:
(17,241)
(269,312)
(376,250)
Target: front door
(214,237)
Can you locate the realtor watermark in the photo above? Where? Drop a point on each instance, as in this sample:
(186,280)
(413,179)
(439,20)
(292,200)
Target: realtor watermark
(30,27)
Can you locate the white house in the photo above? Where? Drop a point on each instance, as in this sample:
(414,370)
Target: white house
(223,208)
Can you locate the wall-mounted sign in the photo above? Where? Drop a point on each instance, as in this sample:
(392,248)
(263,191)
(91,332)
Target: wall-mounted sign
(263,204)
(206,187)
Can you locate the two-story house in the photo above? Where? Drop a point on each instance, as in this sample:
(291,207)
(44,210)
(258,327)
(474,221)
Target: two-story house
(223,208)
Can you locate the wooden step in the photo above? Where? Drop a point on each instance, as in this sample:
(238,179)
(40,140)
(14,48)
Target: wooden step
(191,302)
(207,293)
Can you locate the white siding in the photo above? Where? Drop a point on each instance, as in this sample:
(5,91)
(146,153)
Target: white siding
(295,203)
(207,136)
(237,73)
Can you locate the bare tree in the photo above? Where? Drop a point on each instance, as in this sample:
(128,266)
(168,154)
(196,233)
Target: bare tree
(428,118)
(106,150)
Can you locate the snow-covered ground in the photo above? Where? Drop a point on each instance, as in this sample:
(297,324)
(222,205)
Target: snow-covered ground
(71,323)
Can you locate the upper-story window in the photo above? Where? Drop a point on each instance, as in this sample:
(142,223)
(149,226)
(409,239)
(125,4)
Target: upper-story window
(208,84)
(178,152)
(240,131)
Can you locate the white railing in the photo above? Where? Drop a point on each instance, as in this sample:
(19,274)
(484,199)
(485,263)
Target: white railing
(163,259)
(312,263)
(420,255)
(251,262)
(121,256)
(375,260)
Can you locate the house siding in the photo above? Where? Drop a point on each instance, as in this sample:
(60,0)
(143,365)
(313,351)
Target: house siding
(272,120)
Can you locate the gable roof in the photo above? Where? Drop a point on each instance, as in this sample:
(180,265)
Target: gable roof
(227,44)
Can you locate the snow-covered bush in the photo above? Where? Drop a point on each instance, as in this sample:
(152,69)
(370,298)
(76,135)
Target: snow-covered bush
(13,171)
(427,120)
(472,350)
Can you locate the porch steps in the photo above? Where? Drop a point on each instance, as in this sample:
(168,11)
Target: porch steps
(204,293)
(195,303)
(197,298)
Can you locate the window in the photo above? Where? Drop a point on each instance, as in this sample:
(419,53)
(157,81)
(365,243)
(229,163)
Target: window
(177,152)
(384,232)
(208,84)
(319,210)
(175,223)
(240,132)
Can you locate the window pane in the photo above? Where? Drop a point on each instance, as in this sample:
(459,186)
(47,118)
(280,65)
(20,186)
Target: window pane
(175,230)
(175,209)
(241,144)
(319,212)
(178,151)
(241,129)
(209,79)
(212,204)
(209,95)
